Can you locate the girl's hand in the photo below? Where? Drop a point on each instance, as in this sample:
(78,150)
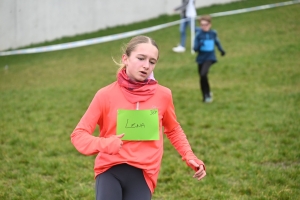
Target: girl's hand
(120,136)
(111,145)
(200,173)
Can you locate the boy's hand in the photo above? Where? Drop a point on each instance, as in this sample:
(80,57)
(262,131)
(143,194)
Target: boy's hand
(223,53)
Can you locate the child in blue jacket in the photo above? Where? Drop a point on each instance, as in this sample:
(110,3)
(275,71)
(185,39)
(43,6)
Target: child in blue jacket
(204,44)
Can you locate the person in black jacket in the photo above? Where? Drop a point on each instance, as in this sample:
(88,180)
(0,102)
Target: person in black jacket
(204,45)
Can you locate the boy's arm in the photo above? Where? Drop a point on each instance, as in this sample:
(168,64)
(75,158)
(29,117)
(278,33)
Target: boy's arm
(218,44)
(197,44)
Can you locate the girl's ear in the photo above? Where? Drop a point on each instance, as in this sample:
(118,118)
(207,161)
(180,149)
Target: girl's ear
(124,59)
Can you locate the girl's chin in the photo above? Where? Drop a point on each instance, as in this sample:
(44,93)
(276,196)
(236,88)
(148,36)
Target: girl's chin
(140,78)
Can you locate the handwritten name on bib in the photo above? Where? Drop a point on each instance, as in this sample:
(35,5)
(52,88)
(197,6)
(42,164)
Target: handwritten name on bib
(138,124)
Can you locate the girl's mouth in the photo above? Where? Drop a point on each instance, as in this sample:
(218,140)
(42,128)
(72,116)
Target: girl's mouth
(143,73)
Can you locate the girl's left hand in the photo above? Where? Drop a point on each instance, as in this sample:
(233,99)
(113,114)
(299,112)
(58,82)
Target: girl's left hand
(200,173)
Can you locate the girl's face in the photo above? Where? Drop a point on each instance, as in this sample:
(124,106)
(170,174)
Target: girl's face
(141,61)
(205,25)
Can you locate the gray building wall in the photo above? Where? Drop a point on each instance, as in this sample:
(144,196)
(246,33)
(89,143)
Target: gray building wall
(25,22)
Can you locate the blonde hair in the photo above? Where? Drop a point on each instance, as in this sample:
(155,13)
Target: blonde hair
(132,44)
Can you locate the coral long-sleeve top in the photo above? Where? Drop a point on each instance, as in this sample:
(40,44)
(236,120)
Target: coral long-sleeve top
(146,155)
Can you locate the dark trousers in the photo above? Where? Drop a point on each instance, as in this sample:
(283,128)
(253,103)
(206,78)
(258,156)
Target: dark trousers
(122,182)
(203,70)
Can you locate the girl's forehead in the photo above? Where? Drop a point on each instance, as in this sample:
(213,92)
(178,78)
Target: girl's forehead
(147,49)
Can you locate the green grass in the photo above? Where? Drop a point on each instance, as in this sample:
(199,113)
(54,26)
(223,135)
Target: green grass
(248,137)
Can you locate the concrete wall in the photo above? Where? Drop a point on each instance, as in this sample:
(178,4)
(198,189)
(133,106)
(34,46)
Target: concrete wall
(25,22)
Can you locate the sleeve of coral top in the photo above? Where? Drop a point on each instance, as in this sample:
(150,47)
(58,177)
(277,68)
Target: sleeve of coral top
(175,133)
(177,137)
(82,137)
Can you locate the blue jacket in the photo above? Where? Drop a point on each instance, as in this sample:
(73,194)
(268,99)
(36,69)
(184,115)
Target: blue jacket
(204,44)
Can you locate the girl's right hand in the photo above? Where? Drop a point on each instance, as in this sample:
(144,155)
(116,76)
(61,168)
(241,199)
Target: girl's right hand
(112,145)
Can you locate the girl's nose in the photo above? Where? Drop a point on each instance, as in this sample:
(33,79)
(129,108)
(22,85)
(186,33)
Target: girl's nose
(147,64)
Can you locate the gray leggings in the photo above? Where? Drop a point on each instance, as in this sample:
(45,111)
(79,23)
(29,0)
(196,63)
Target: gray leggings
(122,182)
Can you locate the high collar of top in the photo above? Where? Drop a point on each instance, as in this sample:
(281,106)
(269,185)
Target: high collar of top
(135,91)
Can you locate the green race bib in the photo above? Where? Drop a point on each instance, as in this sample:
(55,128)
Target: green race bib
(138,124)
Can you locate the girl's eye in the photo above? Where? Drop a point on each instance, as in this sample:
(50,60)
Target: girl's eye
(140,58)
(153,63)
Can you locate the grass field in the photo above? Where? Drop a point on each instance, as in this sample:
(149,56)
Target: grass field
(249,137)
